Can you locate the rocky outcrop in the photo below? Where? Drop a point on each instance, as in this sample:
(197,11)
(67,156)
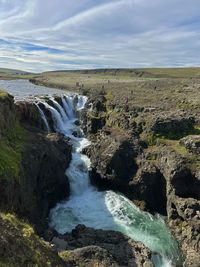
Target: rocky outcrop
(183,205)
(28,113)
(32,163)
(88,246)
(173,125)
(112,158)
(43,180)
(192,143)
(20,246)
(148,189)
(7,113)
(161,175)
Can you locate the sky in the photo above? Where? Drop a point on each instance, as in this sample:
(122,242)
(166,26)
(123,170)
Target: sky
(41,35)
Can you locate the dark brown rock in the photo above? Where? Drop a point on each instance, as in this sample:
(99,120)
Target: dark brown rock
(192,143)
(183,205)
(172,125)
(42,179)
(44,182)
(113,164)
(106,247)
(7,114)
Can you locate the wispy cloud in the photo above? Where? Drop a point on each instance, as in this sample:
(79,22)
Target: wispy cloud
(63,34)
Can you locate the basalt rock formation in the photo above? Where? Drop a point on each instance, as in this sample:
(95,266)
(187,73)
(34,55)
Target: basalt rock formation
(20,246)
(159,165)
(32,163)
(88,247)
(183,205)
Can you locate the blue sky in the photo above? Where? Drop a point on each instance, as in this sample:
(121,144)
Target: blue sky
(45,35)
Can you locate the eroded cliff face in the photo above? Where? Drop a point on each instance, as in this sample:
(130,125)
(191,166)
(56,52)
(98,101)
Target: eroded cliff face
(32,163)
(161,158)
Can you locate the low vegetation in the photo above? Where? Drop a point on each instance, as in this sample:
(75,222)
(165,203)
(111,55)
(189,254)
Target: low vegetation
(20,246)
(11,148)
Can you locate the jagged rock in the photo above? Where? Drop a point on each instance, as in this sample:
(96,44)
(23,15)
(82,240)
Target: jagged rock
(192,143)
(33,164)
(28,113)
(95,123)
(7,114)
(182,187)
(148,187)
(60,243)
(106,247)
(44,182)
(20,246)
(112,160)
(42,178)
(172,125)
(90,256)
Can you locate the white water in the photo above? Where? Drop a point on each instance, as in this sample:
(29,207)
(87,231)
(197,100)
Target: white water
(43,118)
(103,210)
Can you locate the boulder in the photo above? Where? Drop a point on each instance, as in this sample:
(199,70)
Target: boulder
(192,143)
(112,158)
(105,248)
(173,126)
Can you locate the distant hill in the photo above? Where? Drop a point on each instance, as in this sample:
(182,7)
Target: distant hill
(12,71)
(193,72)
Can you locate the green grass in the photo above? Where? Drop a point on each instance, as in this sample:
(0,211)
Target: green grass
(11,148)
(22,246)
(3,94)
(176,135)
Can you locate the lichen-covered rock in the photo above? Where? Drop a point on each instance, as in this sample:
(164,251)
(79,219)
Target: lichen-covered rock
(20,246)
(28,113)
(7,113)
(105,247)
(112,158)
(32,163)
(43,180)
(172,125)
(183,205)
(192,143)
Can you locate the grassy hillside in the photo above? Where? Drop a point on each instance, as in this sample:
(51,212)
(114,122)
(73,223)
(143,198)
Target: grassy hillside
(21,247)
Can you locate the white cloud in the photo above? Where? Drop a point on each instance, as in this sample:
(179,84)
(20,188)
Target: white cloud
(100,33)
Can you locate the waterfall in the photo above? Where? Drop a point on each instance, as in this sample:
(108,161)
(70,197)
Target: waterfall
(60,109)
(68,105)
(43,118)
(57,118)
(103,210)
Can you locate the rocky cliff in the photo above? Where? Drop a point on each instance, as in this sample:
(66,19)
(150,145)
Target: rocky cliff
(32,164)
(153,158)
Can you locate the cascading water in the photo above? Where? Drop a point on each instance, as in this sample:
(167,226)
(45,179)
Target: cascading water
(103,210)
(43,118)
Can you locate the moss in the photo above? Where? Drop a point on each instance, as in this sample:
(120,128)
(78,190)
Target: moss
(65,255)
(155,139)
(3,94)
(22,246)
(176,135)
(11,148)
